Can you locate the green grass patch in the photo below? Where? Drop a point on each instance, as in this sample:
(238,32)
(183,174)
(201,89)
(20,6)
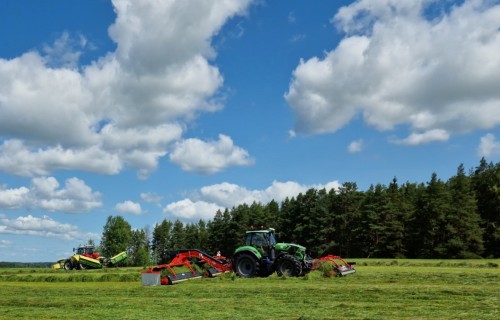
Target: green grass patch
(381,289)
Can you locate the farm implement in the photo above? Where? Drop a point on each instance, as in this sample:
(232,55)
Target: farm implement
(259,257)
(191,264)
(86,258)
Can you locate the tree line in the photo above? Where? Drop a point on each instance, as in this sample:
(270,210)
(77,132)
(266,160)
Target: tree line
(457,218)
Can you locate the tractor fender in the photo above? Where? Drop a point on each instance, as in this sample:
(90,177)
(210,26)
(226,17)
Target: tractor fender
(248,249)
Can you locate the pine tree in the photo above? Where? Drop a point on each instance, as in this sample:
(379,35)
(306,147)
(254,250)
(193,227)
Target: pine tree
(463,231)
(346,218)
(432,209)
(161,239)
(486,184)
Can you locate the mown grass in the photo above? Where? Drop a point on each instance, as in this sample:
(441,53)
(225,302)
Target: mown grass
(381,289)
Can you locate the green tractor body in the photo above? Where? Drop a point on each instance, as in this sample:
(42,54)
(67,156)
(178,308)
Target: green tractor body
(262,255)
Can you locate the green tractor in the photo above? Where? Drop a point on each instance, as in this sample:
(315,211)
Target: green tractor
(261,256)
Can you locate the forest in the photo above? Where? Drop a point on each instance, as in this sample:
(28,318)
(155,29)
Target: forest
(453,219)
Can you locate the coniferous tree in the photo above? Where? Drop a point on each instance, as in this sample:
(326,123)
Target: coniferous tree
(162,234)
(486,184)
(192,236)
(398,212)
(203,237)
(178,238)
(464,236)
(346,217)
(432,209)
(218,233)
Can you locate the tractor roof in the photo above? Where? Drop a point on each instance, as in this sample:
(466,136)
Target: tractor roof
(261,231)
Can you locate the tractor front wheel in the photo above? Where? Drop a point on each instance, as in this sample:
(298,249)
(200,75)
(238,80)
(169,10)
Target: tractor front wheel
(246,266)
(68,265)
(289,266)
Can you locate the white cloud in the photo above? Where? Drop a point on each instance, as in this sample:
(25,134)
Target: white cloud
(187,209)
(227,195)
(209,157)
(45,193)
(489,146)
(43,227)
(123,109)
(398,67)
(297,38)
(355,146)
(5,243)
(13,198)
(150,197)
(425,137)
(129,207)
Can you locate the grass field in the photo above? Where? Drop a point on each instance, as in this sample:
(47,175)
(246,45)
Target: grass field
(381,289)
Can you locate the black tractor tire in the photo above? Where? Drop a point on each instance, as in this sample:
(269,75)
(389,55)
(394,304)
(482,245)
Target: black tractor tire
(246,265)
(288,265)
(68,265)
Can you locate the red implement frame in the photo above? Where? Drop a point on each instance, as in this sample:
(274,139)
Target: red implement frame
(186,258)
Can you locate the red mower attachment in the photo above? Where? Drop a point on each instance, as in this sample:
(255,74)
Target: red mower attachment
(191,264)
(339,265)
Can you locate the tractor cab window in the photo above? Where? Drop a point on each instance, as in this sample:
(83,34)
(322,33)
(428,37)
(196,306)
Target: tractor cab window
(257,239)
(272,239)
(85,250)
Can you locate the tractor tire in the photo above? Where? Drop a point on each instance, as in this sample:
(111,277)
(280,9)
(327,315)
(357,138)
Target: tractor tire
(246,265)
(81,266)
(288,265)
(68,265)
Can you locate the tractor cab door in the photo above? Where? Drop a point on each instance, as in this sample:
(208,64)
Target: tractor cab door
(262,241)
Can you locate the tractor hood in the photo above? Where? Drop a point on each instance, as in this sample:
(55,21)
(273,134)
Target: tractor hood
(289,246)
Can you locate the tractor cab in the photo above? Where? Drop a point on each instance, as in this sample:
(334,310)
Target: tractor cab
(87,251)
(263,240)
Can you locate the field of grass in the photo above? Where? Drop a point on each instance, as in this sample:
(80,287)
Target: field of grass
(381,289)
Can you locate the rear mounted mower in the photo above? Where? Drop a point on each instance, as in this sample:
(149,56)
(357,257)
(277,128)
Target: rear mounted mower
(191,264)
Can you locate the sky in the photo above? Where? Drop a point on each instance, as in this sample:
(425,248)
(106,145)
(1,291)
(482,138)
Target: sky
(156,110)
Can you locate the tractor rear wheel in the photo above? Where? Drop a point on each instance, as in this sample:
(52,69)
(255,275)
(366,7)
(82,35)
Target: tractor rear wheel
(246,265)
(289,266)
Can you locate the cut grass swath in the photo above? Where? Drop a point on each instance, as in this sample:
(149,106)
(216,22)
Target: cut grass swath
(381,289)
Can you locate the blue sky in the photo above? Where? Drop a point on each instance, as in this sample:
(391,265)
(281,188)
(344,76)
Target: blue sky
(178,108)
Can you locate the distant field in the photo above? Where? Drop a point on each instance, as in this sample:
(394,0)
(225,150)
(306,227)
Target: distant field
(381,289)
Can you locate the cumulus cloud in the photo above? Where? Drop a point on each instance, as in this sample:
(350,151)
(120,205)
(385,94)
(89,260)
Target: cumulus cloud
(189,210)
(46,193)
(355,146)
(129,207)
(215,197)
(125,108)
(209,157)
(489,146)
(398,66)
(43,227)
